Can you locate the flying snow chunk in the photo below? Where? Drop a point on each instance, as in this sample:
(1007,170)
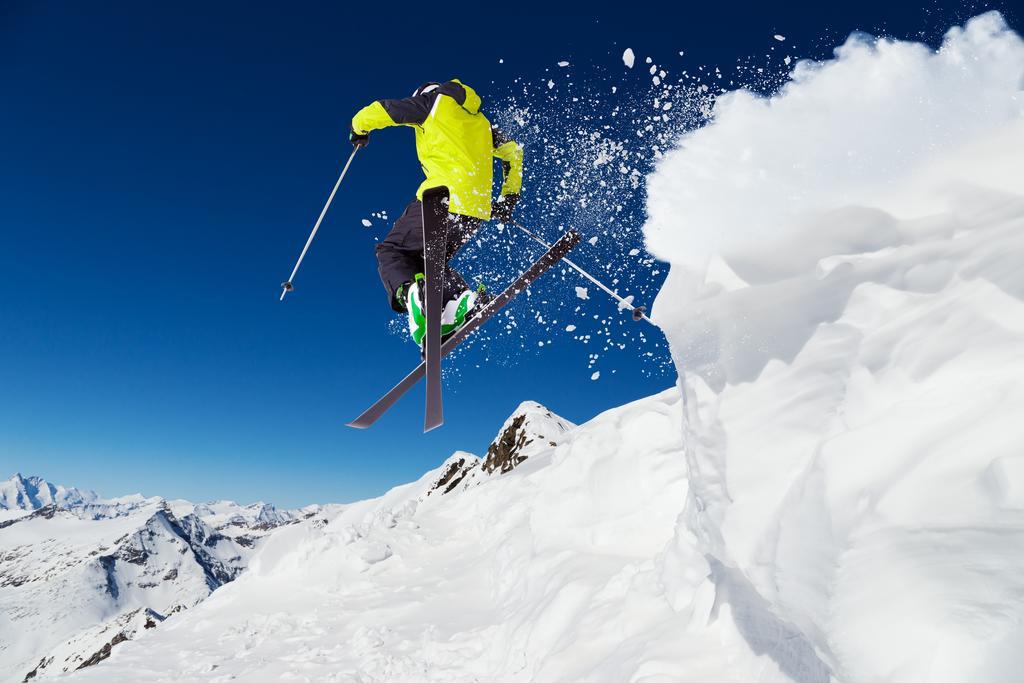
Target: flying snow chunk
(628,57)
(779,37)
(551,84)
(581,292)
(595,376)
(563,64)
(366,223)
(634,252)
(593,240)
(570,328)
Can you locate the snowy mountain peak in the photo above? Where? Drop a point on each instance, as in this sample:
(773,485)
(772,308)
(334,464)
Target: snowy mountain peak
(530,429)
(31,493)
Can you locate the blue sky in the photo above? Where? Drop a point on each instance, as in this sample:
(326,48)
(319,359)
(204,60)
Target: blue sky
(162,164)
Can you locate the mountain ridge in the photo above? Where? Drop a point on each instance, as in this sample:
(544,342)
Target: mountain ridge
(161,557)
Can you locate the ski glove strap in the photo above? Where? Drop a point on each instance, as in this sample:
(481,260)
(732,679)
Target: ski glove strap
(502,209)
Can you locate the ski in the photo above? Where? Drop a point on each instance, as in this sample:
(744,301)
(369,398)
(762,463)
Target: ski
(435,234)
(559,249)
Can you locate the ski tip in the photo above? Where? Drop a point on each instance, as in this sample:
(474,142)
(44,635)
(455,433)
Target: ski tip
(356,424)
(429,427)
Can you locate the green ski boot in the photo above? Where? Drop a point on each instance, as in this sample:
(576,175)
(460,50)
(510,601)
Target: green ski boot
(414,307)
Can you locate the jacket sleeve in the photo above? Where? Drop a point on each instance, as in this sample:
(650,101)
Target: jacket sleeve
(511,155)
(411,111)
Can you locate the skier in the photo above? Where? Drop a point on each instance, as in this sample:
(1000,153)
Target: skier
(455,144)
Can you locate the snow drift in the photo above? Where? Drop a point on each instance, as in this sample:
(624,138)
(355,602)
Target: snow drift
(846,311)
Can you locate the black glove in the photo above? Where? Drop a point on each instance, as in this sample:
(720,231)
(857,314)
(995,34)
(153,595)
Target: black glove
(502,209)
(358,139)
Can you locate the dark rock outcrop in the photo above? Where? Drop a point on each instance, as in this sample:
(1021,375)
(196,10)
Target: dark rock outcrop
(531,429)
(454,473)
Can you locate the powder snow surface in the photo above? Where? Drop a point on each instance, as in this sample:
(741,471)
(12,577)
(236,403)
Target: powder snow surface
(850,340)
(833,493)
(547,573)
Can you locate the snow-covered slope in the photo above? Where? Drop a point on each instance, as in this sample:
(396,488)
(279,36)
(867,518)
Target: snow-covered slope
(542,573)
(850,339)
(82,575)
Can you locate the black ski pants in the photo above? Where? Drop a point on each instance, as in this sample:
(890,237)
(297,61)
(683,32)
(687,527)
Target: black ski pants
(400,255)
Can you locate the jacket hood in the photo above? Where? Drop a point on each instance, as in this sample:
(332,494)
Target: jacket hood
(463,94)
(473,101)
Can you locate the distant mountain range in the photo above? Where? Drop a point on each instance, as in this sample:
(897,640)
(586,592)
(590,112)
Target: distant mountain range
(80,574)
(32,493)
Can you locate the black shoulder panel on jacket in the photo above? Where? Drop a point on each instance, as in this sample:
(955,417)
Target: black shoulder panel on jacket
(454,90)
(409,110)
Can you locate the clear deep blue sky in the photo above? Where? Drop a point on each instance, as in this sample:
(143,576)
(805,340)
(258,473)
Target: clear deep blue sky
(161,165)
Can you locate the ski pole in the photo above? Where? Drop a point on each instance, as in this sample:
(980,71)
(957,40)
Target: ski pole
(286,286)
(639,312)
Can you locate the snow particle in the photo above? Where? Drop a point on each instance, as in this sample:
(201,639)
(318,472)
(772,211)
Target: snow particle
(779,38)
(595,376)
(570,328)
(366,223)
(628,58)
(581,292)
(563,64)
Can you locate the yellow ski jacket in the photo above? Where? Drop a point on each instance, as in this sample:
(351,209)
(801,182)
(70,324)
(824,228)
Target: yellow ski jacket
(455,144)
